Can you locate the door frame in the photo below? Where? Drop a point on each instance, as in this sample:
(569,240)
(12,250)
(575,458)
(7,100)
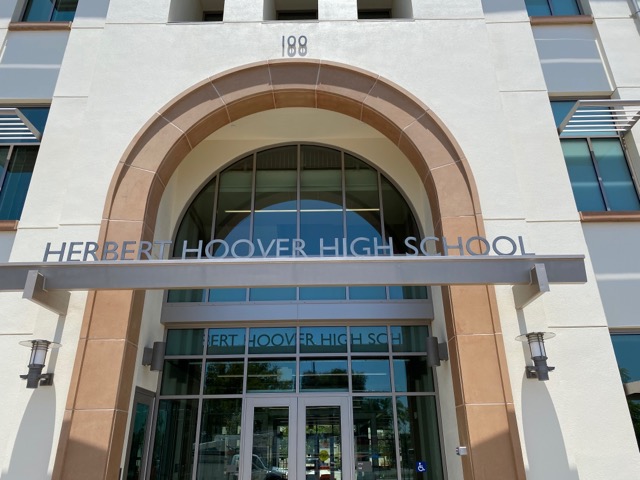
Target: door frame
(297,405)
(146,397)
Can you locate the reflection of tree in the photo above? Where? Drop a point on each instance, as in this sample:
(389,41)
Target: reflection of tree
(224,378)
(336,378)
(634,406)
(266,376)
(373,424)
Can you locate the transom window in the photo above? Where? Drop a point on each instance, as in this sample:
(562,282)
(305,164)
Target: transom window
(552,7)
(319,197)
(50,10)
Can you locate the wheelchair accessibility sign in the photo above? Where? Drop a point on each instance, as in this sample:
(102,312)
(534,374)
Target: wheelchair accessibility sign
(421,467)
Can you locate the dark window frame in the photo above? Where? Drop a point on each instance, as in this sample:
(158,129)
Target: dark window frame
(296,15)
(374,14)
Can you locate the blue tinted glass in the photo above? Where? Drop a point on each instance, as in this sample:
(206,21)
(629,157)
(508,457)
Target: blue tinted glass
(409,338)
(272,340)
(538,7)
(411,374)
(367,293)
(233,216)
(38,11)
(323,340)
(271,376)
(64,10)
(197,222)
(398,219)
(407,293)
(369,339)
(185,342)
(627,350)
(320,222)
(13,190)
(561,109)
(37,116)
(226,341)
(614,171)
(185,296)
(584,181)
(363,206)
(324,375)
(371,375)
(228,295)
(272,294)
(323,293)
(181,377)
(565,7)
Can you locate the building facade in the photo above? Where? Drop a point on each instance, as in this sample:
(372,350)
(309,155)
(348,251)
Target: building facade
(294,239)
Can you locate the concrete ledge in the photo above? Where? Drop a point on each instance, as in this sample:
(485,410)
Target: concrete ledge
(8,225)
(626,216)
(39,26)
(562,20)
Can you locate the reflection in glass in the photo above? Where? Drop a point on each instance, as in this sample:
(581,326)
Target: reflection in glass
(409,338)
(399,222)
(272,340)
(175,437)
(17,178)
(197,222)
(374,438)
(323,443)
(224,378)
(367,293)
(271,376)
(183,296)
(362,203)
(219,437)
(419,438)
(411,374)
(615,175)
(228,295)
(323,339)
(181,377)
(324,375)
(270,452)
(407,293)
(371,375)
(369,339)
(272,294)
(185,342)
(233,215)
(582,174)
(226,341)
(137,449)
(323,293)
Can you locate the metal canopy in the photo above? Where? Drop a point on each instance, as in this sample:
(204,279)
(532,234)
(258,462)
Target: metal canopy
(48,283)
(14,126)
(598,117)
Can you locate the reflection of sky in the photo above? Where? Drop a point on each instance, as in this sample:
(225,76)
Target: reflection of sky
(627,350)
(375,373)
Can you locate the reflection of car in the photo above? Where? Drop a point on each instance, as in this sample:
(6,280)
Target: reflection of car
(259,471)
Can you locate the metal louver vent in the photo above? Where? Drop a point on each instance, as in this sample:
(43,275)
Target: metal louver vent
(600,117)
(14,126)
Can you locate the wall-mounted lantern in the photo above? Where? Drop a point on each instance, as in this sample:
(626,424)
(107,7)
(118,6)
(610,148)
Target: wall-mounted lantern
(154,357)
(436,352)
(539,369)
(39,349)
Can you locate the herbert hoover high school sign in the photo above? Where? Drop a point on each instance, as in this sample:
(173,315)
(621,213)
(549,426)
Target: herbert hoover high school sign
(284,247)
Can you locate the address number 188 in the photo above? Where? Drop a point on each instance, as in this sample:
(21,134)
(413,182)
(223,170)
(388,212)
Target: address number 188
(293,46)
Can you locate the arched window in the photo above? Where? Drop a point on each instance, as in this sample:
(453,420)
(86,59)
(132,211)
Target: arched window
(298,200)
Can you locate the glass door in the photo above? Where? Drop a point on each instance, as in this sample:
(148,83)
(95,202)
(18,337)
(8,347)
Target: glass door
(295,438)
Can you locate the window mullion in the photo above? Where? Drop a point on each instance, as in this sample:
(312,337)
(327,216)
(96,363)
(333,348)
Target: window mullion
(594,162)
(632,173)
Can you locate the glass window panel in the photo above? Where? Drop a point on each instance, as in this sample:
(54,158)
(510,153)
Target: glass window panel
(197,222)
(367,293)
(561,109)
(411,374)
(627,351)
(369,339)
(181,377)
(175,438)
(38,11)
(270,446)
(323,339)
(185,342)
(321,215)
(398,218)
(565,7)
(614,171)
(584,181)
(219,437)
(374,438)
(226,341)
(4,159)
(272,340)
(324,375)
(64,10)
(419,437)
(228,295)
(224,378)
(276,204)
(13,190)
(370,375)
(408,293)
(362,204)
(409,338)
(233,215)
(272,294)
(37,116)
(271,376)
(137,448)
(538,7)
(185,296)
(323,443)
(323,293)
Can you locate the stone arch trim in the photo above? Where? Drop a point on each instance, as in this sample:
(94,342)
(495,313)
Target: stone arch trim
(92,437)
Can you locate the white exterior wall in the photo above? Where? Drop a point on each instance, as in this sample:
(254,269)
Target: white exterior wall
(479,72)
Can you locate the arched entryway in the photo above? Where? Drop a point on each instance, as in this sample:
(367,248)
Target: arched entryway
(92,437)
